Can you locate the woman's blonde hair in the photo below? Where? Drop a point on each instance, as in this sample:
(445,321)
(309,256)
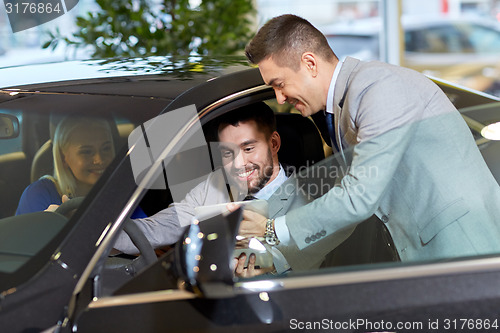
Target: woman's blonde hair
(63,177)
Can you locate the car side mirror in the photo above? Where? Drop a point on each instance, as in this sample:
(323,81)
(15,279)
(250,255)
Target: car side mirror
(9,126)
(205,255)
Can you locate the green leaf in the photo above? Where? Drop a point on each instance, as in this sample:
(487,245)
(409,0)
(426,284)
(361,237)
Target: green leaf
(223,26)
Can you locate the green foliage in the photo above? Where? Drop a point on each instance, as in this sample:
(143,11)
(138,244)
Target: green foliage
(133,28)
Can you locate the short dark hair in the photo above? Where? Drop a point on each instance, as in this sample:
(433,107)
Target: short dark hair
(287,37)
(260,112)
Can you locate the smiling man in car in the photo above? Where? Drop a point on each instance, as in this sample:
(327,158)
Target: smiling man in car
(249,145)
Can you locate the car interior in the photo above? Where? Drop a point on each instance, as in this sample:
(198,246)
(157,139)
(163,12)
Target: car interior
(39,133)
(302,146)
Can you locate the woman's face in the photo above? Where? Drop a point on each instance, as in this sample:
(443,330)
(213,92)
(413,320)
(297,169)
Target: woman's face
(88,152)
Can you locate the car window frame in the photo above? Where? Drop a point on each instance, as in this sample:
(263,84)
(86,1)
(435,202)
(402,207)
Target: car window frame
(334,276)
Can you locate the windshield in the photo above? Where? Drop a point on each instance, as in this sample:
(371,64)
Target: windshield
(57,153)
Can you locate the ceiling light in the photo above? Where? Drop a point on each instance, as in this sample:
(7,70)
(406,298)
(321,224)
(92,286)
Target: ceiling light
(492,131)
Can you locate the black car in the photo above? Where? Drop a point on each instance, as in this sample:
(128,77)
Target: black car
(58,272)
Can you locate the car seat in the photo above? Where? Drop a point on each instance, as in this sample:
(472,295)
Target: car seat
(301,143)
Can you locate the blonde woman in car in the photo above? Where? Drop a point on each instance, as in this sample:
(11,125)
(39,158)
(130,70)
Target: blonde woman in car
(82,149)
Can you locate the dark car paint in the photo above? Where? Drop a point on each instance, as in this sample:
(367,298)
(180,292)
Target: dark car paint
(412,300)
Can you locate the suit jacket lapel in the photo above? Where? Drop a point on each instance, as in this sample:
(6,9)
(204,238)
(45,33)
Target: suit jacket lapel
(337,111)
(281,199)
(345,72)
(339,95)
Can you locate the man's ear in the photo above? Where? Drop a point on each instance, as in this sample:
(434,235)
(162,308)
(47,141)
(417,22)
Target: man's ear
(310,62)
(275,141)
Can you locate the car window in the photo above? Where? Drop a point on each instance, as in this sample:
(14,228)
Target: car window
(193,159)
(369,242)
(85,148)
(483,39)
(196,176)
(88,140)
(443,39)
(453,38)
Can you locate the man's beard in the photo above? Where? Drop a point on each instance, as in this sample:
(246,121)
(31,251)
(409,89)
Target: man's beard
(263,177)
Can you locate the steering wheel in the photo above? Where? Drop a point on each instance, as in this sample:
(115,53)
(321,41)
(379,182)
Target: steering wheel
(66,207)
(148,255)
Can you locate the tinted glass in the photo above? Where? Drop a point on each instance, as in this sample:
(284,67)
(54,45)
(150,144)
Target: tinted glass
(35,176)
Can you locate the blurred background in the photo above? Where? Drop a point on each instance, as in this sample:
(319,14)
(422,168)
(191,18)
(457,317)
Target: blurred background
(455,40)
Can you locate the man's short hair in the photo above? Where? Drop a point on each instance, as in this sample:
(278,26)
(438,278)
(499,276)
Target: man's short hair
(286,38)
(260,112)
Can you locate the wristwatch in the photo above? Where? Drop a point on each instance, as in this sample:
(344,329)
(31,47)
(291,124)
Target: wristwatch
(270,234)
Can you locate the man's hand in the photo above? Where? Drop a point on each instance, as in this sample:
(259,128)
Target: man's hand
(250,271)
(52,208)
(252,225)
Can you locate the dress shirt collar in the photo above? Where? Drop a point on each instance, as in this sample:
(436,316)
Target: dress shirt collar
(267,191)
(331,89)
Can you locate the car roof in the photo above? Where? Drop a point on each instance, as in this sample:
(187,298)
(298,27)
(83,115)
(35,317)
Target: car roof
(137,76)
(134,88)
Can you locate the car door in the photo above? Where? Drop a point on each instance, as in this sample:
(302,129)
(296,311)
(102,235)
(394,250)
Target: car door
(370,295)
(251,90)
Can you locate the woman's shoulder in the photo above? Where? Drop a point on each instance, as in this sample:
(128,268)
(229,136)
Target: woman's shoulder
(38,196)
(43,184)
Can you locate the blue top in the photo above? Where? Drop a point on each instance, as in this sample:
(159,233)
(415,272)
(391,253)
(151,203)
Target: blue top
(43,193)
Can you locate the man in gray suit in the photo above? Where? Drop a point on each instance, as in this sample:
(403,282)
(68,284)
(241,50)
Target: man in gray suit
(429,183)
(249,145)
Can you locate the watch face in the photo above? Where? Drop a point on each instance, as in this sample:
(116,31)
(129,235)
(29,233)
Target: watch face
(272,240)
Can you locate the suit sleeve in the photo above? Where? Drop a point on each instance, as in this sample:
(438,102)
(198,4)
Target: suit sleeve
(290,256)
(168,225)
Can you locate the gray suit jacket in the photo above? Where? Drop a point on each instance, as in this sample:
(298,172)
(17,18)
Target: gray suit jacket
(412,161)
(167,226)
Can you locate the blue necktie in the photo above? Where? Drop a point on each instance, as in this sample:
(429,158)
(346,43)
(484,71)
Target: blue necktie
(330,124)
